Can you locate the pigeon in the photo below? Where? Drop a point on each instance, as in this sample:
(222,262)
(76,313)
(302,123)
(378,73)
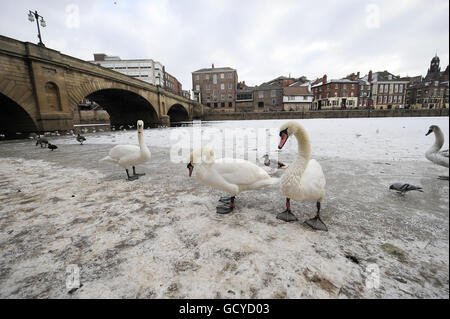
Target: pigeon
(404,187)
(266,160)
(52,147)
(41,140)
(81,139)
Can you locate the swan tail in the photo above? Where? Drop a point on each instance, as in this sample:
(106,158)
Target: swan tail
(108,159)
(265,183)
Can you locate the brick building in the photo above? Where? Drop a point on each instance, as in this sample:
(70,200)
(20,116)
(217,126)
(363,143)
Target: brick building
(216,88)
(334,94)
(171,84)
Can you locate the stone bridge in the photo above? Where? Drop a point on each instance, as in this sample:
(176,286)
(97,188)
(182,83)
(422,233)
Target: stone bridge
(40,90)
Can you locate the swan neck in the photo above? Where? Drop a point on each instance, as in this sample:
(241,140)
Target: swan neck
(439,140)
(304,146)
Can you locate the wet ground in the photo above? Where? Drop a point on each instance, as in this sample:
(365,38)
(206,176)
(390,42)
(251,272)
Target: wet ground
(159,236)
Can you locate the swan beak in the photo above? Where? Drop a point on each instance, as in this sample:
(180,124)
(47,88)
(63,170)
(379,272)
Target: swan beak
(283,140)
(140,128)
(190,168)
(429,132)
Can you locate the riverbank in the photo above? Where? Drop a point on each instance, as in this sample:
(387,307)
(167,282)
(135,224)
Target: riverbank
(216,116)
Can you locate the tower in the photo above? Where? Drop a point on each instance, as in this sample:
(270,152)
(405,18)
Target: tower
(434,70)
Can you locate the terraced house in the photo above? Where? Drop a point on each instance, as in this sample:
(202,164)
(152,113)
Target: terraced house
(387,90)
(334,94)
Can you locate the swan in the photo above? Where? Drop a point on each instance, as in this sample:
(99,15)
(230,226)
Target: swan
(130,155)
(230,175)
(434,154)
(303,180)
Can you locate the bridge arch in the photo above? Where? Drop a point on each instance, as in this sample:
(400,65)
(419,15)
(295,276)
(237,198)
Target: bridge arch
(15,119)
(178,113)
(125,107)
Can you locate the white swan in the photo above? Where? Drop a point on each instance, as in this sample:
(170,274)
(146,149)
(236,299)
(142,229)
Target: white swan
(227,174)
(304,179)
(434,154)
(130,155)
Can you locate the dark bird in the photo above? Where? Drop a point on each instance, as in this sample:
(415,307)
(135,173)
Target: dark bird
(81,139)
(41,140)
(52,147)
(402,188)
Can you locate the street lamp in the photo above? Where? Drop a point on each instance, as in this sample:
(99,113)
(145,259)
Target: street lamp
(34,15)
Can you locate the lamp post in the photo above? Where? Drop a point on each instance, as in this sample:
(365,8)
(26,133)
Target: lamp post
(34,15)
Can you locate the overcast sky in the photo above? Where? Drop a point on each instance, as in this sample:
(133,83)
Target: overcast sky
(260,39)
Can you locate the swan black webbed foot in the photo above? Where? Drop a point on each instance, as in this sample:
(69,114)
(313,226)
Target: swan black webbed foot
(226,206)
(443,178)
(317,223)
(136,174)
(287,215)
(131,178)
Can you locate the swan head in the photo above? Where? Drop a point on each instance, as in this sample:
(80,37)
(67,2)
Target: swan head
(286,130)
(433,128)
(200,155)
(140,126)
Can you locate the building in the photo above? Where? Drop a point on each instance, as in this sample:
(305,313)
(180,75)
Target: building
(171,84)
(334,94)
(143,69)
(216,88)
(432,91)
(268,97)
(244,98)
(387,90)
(186,94)
(297,98)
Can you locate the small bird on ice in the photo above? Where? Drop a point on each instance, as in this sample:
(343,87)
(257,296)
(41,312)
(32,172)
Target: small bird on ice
(81,139)
(402,188)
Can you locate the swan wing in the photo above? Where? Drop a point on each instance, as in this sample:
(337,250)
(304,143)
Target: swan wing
(239,172)
(121,151)
(310,185)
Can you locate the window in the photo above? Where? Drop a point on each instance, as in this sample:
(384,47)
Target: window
(215,92)
(208,87)
(230,97)
(230,86)
(208,98)
(400,99)
(215,79)
(391,88)
(215,104)
(380,88)
(291,98)
(197,87)
(261,94)
(390,98)
(336,86)
(207,77)
(352,94)
(350,103)
(396,88)
(208,104)
(273,93)
(197,77)
(222,104)
(345,86)
(222,76)
(385,99)
(230,75)
(222,97)
(230,104)
(222,86)
(395,98)
(335,94)
(274,102)
(353,86)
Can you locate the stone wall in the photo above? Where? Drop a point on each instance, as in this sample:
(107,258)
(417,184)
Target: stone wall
(323,114)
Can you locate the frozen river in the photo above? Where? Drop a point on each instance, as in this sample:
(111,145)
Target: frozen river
(159,236)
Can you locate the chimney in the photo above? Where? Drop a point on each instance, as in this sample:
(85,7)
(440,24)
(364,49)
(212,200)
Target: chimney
(324,79)
(213,65)
(370,76)
(99,56)
(357,75)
